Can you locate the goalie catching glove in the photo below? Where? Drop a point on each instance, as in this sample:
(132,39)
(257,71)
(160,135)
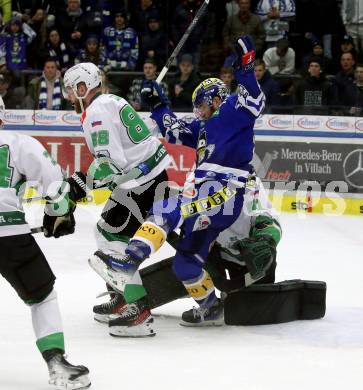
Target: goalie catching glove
(258,253)
(259,250)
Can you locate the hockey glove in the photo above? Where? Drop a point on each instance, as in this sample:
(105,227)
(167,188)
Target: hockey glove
(58,218)
(258,253)
(153,95)
(78,187)
(245,50)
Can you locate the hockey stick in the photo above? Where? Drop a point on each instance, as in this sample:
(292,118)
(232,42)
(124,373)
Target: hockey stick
(182,41)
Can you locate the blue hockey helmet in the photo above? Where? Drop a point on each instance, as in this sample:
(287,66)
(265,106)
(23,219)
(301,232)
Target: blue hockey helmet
(207,90)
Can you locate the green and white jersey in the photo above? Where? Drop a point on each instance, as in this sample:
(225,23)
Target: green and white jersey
(256,204)
(23,159)
(113,129)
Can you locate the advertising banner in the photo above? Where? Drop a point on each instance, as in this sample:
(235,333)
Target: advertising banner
(321,162)
(73,155)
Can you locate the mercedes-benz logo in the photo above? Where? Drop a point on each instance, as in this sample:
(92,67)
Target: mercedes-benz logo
(353,168)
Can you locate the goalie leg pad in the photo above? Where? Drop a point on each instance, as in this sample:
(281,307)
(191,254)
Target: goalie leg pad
(161,284)
(276,303)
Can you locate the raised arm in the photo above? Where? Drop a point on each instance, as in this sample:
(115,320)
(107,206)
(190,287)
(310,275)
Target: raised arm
(250,98)
(175,131)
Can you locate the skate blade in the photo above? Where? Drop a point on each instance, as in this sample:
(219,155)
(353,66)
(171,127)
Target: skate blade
(102,319)
(218,322)
(82,382)
(130,336)
(143,330)
(116,279)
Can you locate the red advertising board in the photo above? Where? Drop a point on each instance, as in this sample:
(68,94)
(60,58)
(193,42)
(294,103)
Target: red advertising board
(73,155)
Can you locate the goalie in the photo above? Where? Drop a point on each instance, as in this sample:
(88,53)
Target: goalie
(243,254)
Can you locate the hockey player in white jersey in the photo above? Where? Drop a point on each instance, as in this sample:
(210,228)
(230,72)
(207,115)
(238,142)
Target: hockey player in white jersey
(135,162)
(22,263)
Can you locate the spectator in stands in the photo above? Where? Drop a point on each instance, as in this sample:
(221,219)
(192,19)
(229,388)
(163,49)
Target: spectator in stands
(72,25)
(232,8)
(227,76)
(154,42)
(141,13)
(354,96)
(275,16)
(318,52)
(346,46)
(92,52)
(38,22)
(344,79)
(183,84)
(182,17)
(280,59)
(285,98)
(269,86)
(352,15)
(14,45)
(56,49)
(45,92)
(134,94)
(317,20)
(12,97)
(122,44)
(314,93)
(245,22)
(103,10)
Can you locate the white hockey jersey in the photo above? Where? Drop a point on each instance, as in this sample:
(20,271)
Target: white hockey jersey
(113,129)
(23,160)
(256,203)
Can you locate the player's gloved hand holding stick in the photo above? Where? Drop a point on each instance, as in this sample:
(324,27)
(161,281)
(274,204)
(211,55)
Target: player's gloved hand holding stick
(246,52)
(58,221)
(58,217)
(153,95)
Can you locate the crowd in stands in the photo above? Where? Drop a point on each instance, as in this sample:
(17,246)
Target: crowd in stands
(309,52)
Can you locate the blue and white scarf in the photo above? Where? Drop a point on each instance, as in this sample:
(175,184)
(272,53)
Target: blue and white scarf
(56,101)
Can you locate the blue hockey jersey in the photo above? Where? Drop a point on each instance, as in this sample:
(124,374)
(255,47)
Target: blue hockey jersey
(225,142)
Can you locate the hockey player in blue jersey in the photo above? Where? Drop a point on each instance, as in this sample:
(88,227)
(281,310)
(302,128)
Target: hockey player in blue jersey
(224,140)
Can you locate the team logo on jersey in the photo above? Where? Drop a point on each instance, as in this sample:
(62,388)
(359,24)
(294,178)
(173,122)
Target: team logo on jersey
(204,151)
(245,100)
(201,223)
(171,123)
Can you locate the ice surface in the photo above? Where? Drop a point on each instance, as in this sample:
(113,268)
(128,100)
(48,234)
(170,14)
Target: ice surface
(318,354)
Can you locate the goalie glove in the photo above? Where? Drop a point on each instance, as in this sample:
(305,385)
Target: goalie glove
(258,253)
(246,51)
(153,95)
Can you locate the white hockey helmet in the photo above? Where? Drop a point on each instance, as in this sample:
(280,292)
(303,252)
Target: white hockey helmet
(85,72)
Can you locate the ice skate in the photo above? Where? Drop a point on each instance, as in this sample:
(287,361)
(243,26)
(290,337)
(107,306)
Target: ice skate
(209,316)
(135,321)
(116,305)
(63,375)
(116,271)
